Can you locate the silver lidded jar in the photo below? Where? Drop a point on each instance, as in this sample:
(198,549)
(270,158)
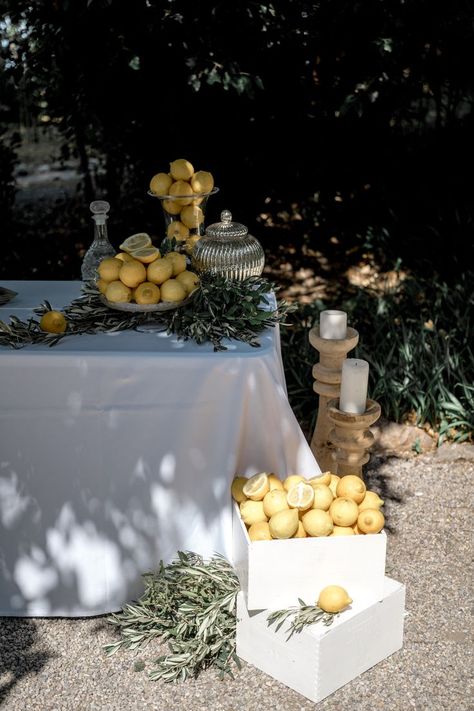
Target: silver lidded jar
(228,250)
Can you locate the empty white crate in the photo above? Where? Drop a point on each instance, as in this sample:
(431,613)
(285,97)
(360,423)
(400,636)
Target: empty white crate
(319,660)
(274,574)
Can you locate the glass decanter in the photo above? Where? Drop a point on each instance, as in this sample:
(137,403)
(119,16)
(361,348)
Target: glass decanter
(227,249)
(100,247)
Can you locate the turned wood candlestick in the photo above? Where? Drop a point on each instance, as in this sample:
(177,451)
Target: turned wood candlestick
(351,436)
(327,382)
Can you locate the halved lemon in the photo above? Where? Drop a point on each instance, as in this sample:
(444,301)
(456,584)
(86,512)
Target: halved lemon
(145,255)
(256,487)
(138,241)
(300,496)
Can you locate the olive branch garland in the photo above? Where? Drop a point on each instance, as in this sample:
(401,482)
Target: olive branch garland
(220,309)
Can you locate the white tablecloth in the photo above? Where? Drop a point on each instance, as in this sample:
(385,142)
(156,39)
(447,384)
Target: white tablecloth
(118,450)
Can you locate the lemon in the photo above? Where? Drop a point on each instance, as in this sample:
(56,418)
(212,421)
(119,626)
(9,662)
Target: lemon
(109,268)
(132,274)
(323,497)
(177,230)
(202,182)
(344,511)
(178,262)
(356,530)
(160,184)
(190,242)
(317,523)
(236,489)
(352,487)
(292,481)
(189,280)
(171,290)
(252,512)
(179,188)
(323,479)
(118,293)
(284,524)
(256,487)
(300,533)
(333,483)
(172,207)
(260,531)
(102,285)
(370,521)
(333,598)
(192,216)
(275,482)
(124,257)
(371,500)
(138,241)
(53,322)
(181,169)
(342,531)
(147,293)
(275,501)
(145,255)
(300,496)
(159,271)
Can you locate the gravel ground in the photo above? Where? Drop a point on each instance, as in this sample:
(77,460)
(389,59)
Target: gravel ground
(58,664)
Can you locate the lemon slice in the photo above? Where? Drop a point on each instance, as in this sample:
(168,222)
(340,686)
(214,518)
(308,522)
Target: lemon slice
(300,496)
(146,255)
(138,241)
(256,487)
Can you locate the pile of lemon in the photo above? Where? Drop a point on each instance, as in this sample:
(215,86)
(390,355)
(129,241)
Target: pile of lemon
(326,505)
(177,190)
(139,274)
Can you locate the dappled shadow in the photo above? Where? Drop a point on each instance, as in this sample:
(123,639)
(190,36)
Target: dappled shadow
(18,658)
(376,481)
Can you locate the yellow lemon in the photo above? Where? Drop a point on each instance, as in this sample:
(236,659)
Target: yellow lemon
(344,511)
(284,524)
(236,489)
(138,241)
(160,184)
(323,497)
(132,274)
(172,206)
(182,188)
(260,531)
(323,479)
(159,271)
(370,521)
(275,501)
(300,533)
(145,255)
(300,496)
(176,230)
(146,293)
(356,530)
(53,322)
(352,487)
(109,268)
(275,482)
(124,257)
(172,290)
(181,169)
(192,216)
(252,512)
(118,293)
(102,285)
(292,481)
(333,598)
(317,523)
(190,243)
(342,531)
(202,181)
(178,262)
(371,500)
(333,483)
(189,280)
(256,487)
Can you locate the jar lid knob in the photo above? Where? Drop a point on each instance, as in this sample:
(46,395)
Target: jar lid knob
(226,216)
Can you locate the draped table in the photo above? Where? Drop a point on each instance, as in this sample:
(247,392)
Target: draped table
(117,450)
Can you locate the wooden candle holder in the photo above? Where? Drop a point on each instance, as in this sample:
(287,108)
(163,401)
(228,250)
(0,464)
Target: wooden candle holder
(351,436)
(327,383)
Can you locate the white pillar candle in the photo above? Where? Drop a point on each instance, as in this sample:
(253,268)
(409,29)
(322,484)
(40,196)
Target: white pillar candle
(354,382)
(333,324)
